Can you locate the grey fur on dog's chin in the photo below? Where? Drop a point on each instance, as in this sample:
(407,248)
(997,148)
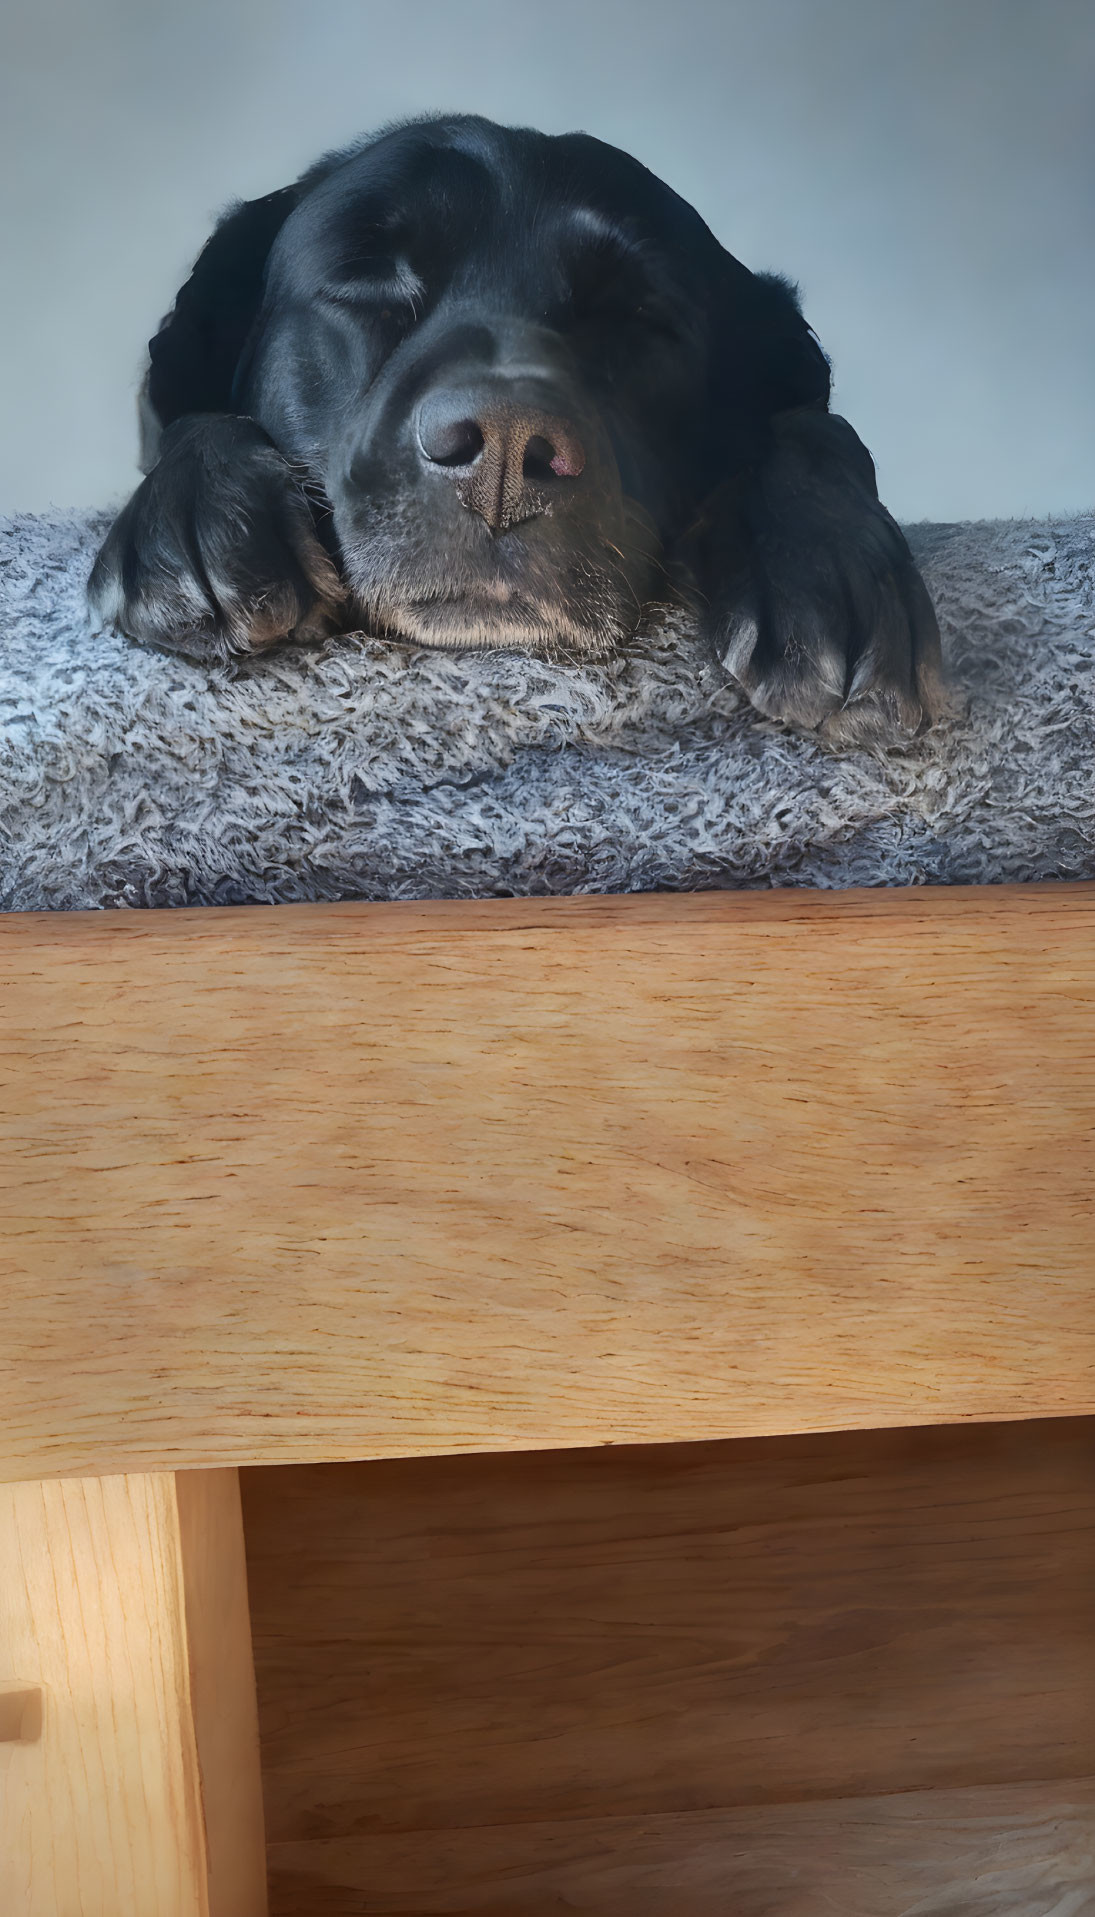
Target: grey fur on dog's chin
(359,768)
(459,627)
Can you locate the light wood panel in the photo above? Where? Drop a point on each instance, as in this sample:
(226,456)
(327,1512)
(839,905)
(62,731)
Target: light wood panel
(346,1181)
(221,1689)
(486,1641)
(1025,1850)
(131,1790)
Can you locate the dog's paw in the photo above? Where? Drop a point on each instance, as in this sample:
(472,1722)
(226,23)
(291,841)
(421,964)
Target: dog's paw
(823,619)
(216,554)
(847,650)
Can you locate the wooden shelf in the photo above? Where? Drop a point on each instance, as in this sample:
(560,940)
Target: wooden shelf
(705,1209)
(351,1181)
(851,1672)
(1017,1851)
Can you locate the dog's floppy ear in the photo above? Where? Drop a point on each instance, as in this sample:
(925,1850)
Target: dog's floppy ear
(794,370)
(194,356)
(767,358)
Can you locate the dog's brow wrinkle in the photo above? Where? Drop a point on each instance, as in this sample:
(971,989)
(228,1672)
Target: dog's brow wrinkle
(593,222)
(601,230)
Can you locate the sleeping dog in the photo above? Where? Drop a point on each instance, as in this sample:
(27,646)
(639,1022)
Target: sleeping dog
(471,385)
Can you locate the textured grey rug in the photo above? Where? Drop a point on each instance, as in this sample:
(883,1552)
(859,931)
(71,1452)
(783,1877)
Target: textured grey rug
(369,770)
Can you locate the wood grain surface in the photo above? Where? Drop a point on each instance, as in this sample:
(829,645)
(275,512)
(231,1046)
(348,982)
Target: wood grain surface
(485,1641)
(129,1794)
(343,1181)
(1023,1850)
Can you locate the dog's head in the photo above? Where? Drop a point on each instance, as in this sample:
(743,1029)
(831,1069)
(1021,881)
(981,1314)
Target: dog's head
(510,363)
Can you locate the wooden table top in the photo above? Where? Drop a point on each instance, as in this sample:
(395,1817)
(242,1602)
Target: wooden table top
(339,1181)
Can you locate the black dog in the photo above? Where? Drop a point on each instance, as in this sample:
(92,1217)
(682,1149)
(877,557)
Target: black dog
(472,385)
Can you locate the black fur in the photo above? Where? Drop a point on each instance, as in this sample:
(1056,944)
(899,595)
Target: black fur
(475,385)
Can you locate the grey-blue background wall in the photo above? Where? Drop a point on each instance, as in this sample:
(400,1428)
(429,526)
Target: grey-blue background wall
(926,170)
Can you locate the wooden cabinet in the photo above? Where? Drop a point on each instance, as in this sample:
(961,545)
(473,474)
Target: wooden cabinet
(658,1335)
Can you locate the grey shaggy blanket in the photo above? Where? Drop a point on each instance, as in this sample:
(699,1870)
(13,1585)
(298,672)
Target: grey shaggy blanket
(370,770)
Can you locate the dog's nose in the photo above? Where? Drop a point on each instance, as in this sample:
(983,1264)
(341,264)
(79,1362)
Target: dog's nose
(507,457)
